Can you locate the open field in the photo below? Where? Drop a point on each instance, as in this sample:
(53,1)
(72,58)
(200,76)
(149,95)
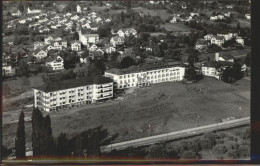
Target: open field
(179,27)
(159,12)
(165,107)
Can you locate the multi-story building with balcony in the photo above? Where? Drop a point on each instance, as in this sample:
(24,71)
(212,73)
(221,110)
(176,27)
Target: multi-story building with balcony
(74,92)
(146,75)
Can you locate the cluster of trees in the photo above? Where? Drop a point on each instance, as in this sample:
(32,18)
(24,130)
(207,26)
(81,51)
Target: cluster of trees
(91,68)
(232,73)
(233,146)
(43,143)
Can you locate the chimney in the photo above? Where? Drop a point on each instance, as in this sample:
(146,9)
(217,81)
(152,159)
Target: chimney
(217,56)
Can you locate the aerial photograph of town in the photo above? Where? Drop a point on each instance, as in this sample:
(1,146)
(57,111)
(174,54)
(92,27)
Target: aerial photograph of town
(148,80)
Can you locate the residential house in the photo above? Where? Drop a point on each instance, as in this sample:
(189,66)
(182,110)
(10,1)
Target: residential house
(212,69)
(173,20)
(55,62)
(121,33)
(208,37)
(117,40)
(22,21)
(68,14)
(78,9)
(16,13)
(109,48)
(201,44)
(224,58)
(97,20)
(130,31)
(40,53)
(108,20)
(213,18)
(240,40)
(75,17)
(7,69)
(92,47)
(218,40)
(248,16)
(228,36)
(38,44)
(76,46)
(86,39)
(33,11)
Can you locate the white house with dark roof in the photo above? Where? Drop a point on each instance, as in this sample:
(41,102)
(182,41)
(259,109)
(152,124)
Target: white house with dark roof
(117,40)
(208,37)
(87,39)
(75,46)
(55,62)
(40,54)
(218,40)
(109,48)
(240,40)
(201,44)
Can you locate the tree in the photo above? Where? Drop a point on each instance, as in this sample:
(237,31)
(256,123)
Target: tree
(190,155)
(122,17)
(94,143)
(63,145)
(5,152)
(248,59)
(220,149)
(22,68)
(104,31)
(20,138)
(20,7)
(157,152)
(42,140)
(127,62)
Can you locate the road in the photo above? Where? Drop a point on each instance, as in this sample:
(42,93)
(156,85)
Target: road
(176,135)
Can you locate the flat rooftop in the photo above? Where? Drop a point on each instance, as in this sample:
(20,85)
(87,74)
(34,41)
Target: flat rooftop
(146,67)
(52,86)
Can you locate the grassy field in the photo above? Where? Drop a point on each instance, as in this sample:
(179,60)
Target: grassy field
(165,107)
(179,27)
(162,13)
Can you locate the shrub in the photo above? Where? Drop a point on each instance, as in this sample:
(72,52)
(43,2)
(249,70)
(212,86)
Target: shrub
(220,149)
(190,155)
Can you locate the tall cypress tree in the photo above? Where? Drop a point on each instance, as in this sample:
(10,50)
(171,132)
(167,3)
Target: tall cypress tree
(20,138)
(63,145)
(37,136)
(42,140)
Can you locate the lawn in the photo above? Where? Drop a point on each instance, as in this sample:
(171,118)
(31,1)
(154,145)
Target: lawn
(165,107)
(176,27)
(159,12)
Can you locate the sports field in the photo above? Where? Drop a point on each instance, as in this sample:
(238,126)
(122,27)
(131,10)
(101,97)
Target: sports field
(162,108)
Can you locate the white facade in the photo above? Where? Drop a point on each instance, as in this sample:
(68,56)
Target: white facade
(78,9)
(240,40)
(217,40)
(56,64)
(41,54)
(76,46)
(143,78)
(210,71)
(75,96)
